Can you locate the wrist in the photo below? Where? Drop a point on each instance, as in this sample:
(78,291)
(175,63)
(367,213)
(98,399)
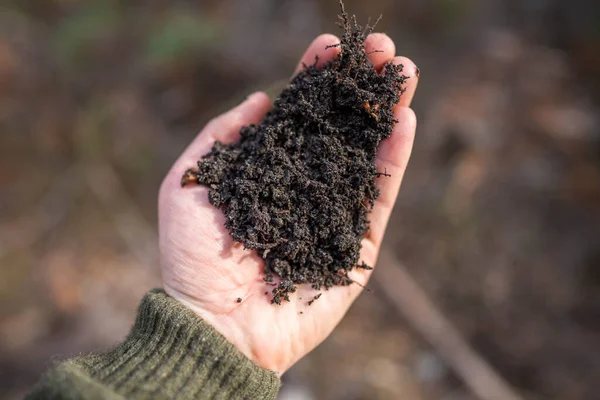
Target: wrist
(227,326)
(171,353)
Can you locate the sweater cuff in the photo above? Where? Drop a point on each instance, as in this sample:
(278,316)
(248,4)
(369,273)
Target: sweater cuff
(172,353)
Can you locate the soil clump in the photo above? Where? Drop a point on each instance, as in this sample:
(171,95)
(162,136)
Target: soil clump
(299,186)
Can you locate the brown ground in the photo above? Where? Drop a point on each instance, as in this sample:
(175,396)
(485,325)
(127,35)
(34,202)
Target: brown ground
(498,218)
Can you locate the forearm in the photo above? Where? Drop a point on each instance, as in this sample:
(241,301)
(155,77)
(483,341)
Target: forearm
(169,353)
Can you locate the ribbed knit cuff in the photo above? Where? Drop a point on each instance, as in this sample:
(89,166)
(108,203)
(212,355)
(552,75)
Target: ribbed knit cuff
(172,353)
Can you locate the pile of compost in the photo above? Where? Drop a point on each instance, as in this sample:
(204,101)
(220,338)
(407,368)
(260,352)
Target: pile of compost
(299,186)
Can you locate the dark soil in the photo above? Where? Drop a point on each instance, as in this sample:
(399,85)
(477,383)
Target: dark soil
(298,187)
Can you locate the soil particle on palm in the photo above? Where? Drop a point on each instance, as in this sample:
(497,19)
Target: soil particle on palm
(314,299)
(298,187)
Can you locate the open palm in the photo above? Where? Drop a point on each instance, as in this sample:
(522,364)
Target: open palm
(207,271)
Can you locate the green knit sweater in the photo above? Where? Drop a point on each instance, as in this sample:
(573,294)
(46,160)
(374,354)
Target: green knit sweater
(170,353)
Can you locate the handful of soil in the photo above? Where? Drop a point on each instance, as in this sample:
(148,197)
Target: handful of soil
(298,187)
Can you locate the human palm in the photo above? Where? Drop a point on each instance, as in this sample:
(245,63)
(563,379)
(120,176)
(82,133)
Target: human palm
(207,271)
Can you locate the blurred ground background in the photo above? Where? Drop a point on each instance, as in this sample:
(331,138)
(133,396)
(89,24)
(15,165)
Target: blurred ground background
(498,219)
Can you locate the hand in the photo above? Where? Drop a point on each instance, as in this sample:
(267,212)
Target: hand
(207,271)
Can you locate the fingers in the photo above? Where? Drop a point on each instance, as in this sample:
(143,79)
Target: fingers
(380,49)
(224,128)
(394,153)
(392,157)
(318,48)
(412,71)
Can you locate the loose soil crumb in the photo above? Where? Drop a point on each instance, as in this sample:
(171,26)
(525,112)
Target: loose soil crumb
(298,187)
(314,299)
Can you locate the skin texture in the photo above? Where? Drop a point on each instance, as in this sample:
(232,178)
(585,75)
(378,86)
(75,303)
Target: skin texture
(208,272)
